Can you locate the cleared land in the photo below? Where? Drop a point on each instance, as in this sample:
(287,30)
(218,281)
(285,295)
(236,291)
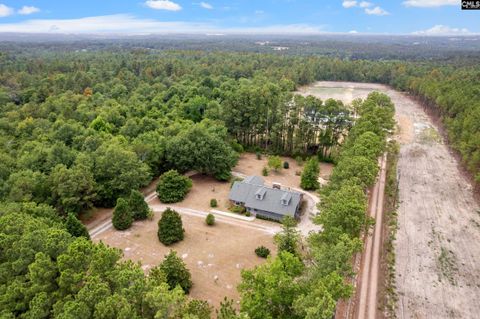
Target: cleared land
(437,244)
(222,250)
(249,165)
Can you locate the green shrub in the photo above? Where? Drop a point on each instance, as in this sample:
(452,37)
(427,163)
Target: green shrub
(137,205)
(259,155)
(75,227)
(170,228)
(210,220)
(275,162)
(248,214)
(262,251)
(176,272)
(122,217)
(237,209)
(213,202)
(237,147)
(265,171)
(260,216)
(286,165)
(173,187)
(309,178)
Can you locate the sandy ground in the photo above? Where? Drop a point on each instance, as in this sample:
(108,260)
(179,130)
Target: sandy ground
(205,188)
(222,250)
(250,165)
(346,92)
(437,244)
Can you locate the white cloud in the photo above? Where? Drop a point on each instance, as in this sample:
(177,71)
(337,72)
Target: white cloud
(430,3)
(128,24)
(349,4)
(5,11)
(353,32)
(376,11)
(163,5)
(206,5)
(365,4)
(26,10)
(443,30)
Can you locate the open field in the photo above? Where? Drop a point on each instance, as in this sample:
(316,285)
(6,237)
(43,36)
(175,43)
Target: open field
(438,239)
(346,92)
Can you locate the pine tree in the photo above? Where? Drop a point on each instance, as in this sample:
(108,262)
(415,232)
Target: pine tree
(75,227)
(137,205)
(122,217)
(170,228)
(176,272)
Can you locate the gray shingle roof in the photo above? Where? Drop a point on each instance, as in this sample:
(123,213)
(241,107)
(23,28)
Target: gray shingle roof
(256,180)
(273,200)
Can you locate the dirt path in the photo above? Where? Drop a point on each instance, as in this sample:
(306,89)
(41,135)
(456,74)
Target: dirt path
(438,240)
(368,283)
(269,228)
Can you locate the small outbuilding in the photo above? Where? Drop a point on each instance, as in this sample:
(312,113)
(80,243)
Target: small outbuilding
(264,201)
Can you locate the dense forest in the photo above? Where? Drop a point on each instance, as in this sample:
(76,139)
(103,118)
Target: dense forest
(80,129)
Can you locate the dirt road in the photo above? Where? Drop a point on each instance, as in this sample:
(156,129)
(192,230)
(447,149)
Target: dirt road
(438,240)
(368,283)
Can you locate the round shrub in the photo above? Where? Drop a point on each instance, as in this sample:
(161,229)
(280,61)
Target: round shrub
(213,202)
(262,251)
(265,171)
(170,228)
(286,165)
(173,187)
(259,155)
(210,219)
(122,217)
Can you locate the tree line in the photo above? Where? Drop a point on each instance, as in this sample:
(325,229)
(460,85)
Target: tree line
(308,283)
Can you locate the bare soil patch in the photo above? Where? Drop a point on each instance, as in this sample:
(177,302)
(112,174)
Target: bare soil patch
(437,244)
(250,165)
(205,188)
(222,250)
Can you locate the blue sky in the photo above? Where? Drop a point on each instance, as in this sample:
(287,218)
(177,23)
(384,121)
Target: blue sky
(427,17)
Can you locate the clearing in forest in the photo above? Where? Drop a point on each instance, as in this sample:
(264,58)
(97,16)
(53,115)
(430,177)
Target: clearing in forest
(220,251)
(437,244)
